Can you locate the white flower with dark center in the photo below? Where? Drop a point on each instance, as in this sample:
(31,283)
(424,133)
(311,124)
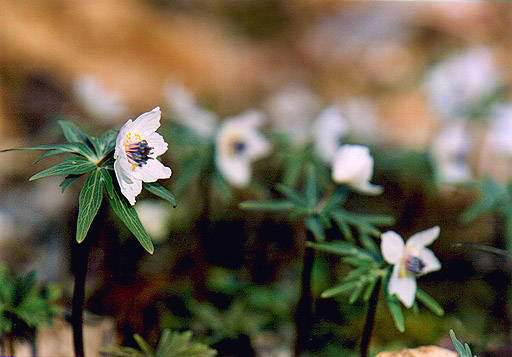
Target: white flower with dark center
(353,165)
(238,143)
(450,150)
(410,261)
(458,84)
(100,102)
(137,148)
(187,112)
(328,131)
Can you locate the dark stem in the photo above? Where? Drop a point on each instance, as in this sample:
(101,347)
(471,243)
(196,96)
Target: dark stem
(33,343)
(79,257)
(304,312)
(370,319)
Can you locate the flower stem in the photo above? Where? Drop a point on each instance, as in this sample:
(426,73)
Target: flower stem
(370,319)
(79,259)
(304,312)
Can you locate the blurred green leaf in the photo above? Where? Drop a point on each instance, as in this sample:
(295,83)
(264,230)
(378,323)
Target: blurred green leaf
(339,289)
(315,227)
(429,302)
(75,148)
(88,204)
(492,194)
(311,189)
(462,350)
(291,194)
(266,206)
(71,166)
(160,191)
(343,249)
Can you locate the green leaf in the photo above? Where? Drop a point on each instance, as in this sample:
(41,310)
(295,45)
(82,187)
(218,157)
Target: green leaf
(144,346)
(336,199)
(106,178)
(315,227)
(457,344)
(340,289)
(128,215)
(492,194)
(291,195)
(73,133)
(68,181)
(311,190)
(341,248)
(88,204)
(356,293)
(76,148)
(396,312)
(266,206)
(105,143)
(160,191)
(429,302)
(71,166)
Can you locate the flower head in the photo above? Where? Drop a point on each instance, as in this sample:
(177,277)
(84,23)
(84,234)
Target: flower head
(353,165)
(409,260)
(328,130)
(137,147)
(450,151)
(238,143)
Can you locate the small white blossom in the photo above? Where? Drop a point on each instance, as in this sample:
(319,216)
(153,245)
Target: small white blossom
(187,112)
(450,150)
(457,84)
(101,103)
(137,148)
(154,216)
(410,260)
(238,143)
(353,165)
(328,130)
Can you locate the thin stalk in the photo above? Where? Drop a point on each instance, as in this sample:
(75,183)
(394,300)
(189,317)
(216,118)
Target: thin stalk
(79,258)
(304,312)
(370,319)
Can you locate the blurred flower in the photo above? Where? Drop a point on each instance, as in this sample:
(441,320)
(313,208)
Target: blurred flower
(328,130)
(238,144)
(99,102)
(458,84)
(450,153)
(137,147)
(291,110)
(154,216)
(410,260)
(353,165)
(361,115)
(187,112)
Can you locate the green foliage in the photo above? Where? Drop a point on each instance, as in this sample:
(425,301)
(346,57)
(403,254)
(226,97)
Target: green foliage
(462,350)
(24,304)
(92,156)
(171,344)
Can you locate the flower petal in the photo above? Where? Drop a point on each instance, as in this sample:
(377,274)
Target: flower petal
(424,238)
(392,247)
(429,259)
(235,169)
(120,139)
(157,142)
(130,187)
(369,189)
(147,123)
(403,287)
(152,171)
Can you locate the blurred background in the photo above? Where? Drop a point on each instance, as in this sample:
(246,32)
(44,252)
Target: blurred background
(424,84)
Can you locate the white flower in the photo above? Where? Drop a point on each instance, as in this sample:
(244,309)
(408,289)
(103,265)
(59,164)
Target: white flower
(137,147)
(353,165)
(361,115)
(238,143)
(187,112)
(410,260)
(457,84)
(154,216)
(328,130)
(450,150)
(291,110)
(99,102)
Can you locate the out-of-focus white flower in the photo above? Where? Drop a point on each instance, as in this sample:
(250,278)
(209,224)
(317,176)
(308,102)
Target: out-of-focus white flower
(187,112)
(361,115)
(100,102)
(410,260)
(353,165)
(137,148)
(291,111)
(328,130)
(450,151)
(456,85)
(154,216)
(238,144)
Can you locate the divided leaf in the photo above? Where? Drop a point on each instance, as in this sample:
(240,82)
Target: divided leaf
(73,133)
(71,166)
(88,204)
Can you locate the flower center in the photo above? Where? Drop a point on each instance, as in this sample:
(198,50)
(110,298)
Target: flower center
(414,265)
(138,153)
(239,146)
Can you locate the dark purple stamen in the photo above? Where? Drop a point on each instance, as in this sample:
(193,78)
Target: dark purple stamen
(138,153)
(239,147)
(414,265)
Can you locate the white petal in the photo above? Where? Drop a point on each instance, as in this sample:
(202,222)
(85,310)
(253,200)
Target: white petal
(235,169)
(430,261)
(328,129)
(152,171)
(369,189)
(157,142)
(130,187)
(403,287)
(257,145)
(392,247)
(147,123)
(120,138)
(424,238)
